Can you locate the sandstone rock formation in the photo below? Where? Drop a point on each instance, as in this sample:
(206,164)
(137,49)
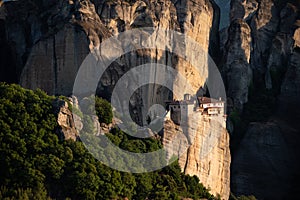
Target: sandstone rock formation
(290,85)
(260,20)
(264,25)
(191,17)
(67,129)
(49,57)
(203,150)
(268,41)
(55,38)
(53,63)
(263,165)
(243,9)
(267,154)
(281,46)
(237,62)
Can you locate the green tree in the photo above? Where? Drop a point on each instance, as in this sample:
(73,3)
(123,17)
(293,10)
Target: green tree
(103,110)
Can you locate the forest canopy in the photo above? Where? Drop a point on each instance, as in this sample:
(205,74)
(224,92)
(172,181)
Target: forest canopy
(35,164)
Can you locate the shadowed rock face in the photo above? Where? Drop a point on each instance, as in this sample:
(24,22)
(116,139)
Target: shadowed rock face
(237,65)
(265,163)
(290,89)
(266,43)
(243,9)
(8,72)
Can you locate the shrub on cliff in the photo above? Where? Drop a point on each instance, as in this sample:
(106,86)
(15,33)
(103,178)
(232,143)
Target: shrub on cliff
(103,110)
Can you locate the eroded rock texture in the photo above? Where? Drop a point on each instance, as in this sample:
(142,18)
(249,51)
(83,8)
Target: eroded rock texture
(267,154)
(237,70)
(203,150)
(43,43)
(263,162)
(267,40)
(49,40)
(66,120)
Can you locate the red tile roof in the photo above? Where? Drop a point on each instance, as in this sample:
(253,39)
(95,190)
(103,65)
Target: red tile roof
(205,100)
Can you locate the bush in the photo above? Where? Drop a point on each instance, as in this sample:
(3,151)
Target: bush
(103,110)
(68,102)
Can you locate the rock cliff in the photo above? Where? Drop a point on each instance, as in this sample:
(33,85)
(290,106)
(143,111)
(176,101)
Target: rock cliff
(263,162)
(237,70)
(53,63)
(66,120)
(203,150)
(48,40)
(53,40)
(43,43)
(266,155)
(289,88)
(266,42)
(194,18)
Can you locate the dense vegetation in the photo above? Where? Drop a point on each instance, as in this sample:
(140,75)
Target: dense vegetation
(103,110)
(34,164)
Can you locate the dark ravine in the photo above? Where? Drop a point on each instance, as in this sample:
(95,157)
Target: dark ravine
(43,43)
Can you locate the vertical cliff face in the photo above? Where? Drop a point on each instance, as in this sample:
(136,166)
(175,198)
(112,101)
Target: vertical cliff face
(265,42)
(193,18)
(53,63)
(237,68)
(203,150)
(262,32)
(50,40)
(64,32)
(263,163)
(264,24)
(290,85)
(281,46)
(266,155)
(254,25)
(72,30)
